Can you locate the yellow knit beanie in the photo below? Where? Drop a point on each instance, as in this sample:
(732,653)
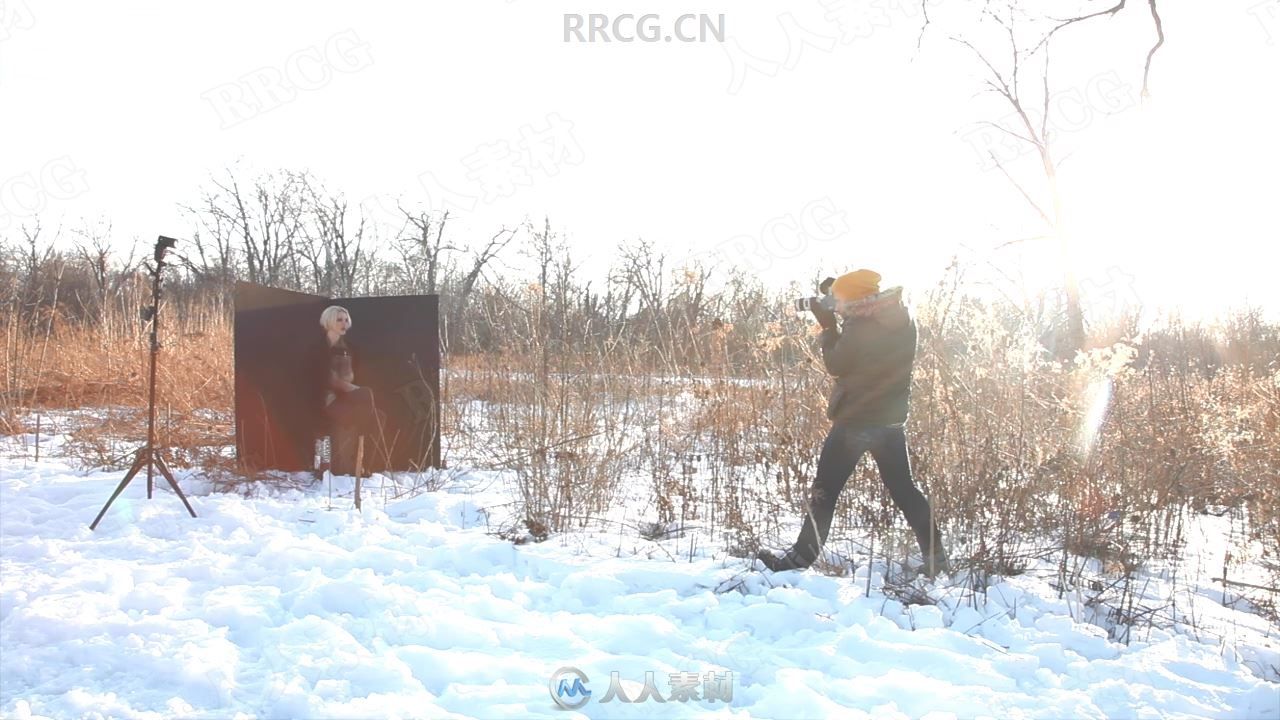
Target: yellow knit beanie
(856,285)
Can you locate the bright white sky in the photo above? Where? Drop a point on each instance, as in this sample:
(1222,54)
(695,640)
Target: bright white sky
(1172,201)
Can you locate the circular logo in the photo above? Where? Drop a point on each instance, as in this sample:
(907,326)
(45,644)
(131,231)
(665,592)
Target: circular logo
(569,688)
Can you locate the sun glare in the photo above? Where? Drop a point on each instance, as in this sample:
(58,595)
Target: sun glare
(1151,221)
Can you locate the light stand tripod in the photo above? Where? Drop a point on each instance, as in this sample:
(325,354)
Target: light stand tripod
(149,455)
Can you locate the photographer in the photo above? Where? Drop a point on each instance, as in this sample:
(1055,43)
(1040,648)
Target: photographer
(871,356)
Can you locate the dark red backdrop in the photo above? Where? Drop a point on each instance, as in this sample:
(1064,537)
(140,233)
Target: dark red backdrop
(399,344)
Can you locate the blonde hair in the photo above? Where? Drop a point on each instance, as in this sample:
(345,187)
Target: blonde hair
(331,313)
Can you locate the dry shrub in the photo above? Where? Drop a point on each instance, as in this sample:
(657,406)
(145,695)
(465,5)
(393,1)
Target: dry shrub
(106,366)
(1024,455)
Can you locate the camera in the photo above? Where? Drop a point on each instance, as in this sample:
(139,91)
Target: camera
(826,299)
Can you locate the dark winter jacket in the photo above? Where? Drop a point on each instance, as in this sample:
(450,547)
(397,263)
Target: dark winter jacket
(321,359)
(872,357)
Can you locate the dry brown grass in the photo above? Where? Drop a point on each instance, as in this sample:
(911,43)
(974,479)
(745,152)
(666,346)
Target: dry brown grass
(55,364)
(729,444)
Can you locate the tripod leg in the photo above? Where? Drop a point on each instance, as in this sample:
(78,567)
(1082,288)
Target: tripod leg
(139,458)
(164,470)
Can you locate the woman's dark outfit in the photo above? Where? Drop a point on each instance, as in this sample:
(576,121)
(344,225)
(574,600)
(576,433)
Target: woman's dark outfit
(341,414)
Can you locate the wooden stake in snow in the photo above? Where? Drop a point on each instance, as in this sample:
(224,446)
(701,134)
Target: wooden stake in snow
(359,467)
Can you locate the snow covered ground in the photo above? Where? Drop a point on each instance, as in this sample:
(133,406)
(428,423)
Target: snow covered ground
(277,606)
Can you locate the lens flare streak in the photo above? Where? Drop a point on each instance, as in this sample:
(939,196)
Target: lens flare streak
(1099,394)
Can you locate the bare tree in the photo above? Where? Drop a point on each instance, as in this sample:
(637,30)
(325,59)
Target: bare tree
(213,258)
(689,307)
(93,248)
(34,258)
(1006,80)
(642,275)
(264,219)
(337,252)
(643,270)
(422,249)
(463,287)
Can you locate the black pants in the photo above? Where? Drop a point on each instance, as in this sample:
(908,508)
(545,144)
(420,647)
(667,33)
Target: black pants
(843,448)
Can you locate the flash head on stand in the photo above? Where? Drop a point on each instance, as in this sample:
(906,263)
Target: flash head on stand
(163,244)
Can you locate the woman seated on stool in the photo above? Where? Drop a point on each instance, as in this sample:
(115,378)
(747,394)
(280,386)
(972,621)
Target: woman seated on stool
(349,408)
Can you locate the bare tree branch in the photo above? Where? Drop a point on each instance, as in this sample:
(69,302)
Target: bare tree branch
(1009,132)
(1025,195)
(1009,92)
(924,7)
(500,240)
(1044,121)
(1111,11)
(1146,71)
(1062,23)
(1003,87)
(1019,241)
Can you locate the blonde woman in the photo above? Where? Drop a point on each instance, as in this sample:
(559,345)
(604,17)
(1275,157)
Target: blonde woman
(346,405)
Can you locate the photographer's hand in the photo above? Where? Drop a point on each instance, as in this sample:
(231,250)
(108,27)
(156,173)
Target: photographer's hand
(825,317)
